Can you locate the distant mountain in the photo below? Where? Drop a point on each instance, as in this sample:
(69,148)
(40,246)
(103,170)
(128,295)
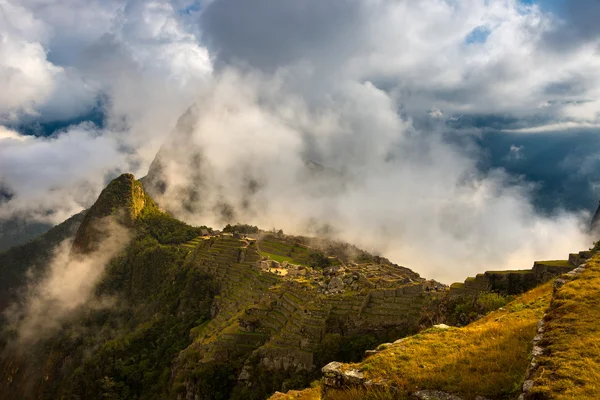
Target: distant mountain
(31,256)
(16,231)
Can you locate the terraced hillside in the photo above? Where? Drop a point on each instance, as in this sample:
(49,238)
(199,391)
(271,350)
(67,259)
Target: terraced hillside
(277,322)
(181,312)
(542,345)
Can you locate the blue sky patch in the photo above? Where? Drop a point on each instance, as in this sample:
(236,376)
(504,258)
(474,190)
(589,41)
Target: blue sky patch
(478,35)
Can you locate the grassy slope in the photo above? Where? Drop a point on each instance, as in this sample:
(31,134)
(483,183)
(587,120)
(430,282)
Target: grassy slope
(307,394)
(280,251)
(571,368)
(488,357)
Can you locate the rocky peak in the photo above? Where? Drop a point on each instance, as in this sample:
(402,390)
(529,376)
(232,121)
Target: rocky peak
(124,198)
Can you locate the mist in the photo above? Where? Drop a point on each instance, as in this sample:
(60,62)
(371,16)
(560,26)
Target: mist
(252,151)
(66,286)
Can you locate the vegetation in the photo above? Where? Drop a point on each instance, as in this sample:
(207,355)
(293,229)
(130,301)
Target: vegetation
(157,339)
(241,228)
(461,310)
(308,394)
(556,263)
(126,351)
(571,367)
(488,357)
(318,260)
(166,229)
(153,319)
(281,250)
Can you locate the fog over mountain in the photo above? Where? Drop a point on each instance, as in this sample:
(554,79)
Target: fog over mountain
(466,130)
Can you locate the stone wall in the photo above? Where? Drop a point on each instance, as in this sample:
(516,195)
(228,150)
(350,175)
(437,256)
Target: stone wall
(517,281)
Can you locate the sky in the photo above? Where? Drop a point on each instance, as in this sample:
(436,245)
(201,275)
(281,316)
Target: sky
(466,126)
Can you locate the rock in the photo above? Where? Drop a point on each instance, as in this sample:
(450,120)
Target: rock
(334,270)
(399,341)
(537,351)
(353,377)
(540,325)
(370,353)
(332,367)
(244,375)
(334,377)
(433,395)
(527,386)
(383,346)
(335,284)
(441,326)
(558,284)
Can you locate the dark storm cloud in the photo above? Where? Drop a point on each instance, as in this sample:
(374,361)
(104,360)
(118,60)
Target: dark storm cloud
(268,34)
(580,22)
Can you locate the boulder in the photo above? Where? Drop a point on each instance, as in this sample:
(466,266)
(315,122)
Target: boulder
(335,284)
(558,284)
(335,377)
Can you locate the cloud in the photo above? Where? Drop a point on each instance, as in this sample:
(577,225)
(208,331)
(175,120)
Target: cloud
(516,152)
(29,82)
(575,22)
(67,285)
(381,184)
(52,178)
(419,51)
(133,59)
(322,108)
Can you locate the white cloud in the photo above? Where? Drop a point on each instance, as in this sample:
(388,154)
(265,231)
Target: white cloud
(62,174)
(135,54)
(338,83)
(385,186)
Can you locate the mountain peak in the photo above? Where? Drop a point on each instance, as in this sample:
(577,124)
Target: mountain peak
(124,198)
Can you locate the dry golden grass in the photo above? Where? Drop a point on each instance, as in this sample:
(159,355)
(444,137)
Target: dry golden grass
(488,357)
(571,367)
(306,394)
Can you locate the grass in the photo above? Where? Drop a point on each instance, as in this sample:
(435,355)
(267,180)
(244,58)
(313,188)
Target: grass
(556,263)
(278,258)
(278,249)
(488,357)
(307,394)
(512,272)
(571,368)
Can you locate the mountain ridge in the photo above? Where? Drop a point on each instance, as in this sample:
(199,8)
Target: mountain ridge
(240,314)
